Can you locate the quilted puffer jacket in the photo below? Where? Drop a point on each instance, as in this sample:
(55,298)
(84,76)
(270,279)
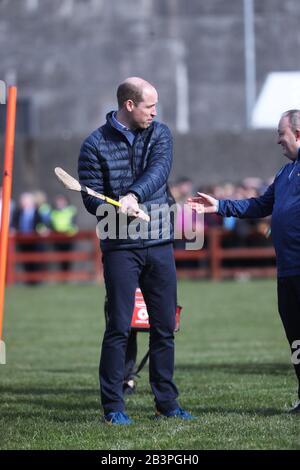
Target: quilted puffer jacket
(111,166)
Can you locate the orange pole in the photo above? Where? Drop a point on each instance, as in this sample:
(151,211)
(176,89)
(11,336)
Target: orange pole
(6,191)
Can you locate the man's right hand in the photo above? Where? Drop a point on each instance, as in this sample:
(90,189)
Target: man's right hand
(203,204)
(129,206)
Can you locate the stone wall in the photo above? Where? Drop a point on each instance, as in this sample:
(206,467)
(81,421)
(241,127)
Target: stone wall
(68,56)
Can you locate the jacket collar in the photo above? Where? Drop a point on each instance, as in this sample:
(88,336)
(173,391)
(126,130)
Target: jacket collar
(139,131)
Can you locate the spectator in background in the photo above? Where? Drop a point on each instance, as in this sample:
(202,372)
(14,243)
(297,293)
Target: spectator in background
(43,226)
(44,211)
(25,220)
(63,221)
(26,216)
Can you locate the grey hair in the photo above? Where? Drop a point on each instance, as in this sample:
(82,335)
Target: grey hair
(293,116)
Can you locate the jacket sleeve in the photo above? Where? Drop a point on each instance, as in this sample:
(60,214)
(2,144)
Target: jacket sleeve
(158,167)
(255,207)
(90,174)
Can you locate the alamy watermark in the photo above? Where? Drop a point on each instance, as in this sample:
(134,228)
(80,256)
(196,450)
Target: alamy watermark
(164,221)
(2,92)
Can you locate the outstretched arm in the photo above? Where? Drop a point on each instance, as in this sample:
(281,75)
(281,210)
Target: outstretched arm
(255,207)
(203,203)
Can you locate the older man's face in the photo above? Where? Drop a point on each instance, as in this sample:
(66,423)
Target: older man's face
(287,139)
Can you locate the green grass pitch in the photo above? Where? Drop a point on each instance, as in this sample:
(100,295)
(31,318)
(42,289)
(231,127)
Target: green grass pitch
(233,371)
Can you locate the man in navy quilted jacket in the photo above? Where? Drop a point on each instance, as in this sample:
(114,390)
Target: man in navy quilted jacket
(129,158)
(282,200)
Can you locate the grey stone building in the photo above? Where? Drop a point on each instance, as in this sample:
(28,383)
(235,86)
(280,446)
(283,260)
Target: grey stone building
(68,56)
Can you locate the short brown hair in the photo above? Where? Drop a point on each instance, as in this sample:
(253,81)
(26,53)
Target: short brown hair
(128,91)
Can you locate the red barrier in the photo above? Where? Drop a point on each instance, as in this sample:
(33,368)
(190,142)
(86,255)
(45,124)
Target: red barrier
(210,260)
(45,253)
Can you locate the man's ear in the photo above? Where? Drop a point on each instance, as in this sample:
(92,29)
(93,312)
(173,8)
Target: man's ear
(129,105)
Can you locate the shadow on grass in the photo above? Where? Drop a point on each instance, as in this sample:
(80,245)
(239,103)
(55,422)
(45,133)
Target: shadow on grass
(68,403)
(268,368)
(74,370)
(64,414)
(253,368)
(54,417)
(27,390)
(55,404)
(52,400)
(240,411)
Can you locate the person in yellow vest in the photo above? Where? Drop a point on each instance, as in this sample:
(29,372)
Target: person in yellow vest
(63,220)
(44,211)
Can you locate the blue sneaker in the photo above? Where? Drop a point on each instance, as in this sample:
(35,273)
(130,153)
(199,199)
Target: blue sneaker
(117,417)
(177,413)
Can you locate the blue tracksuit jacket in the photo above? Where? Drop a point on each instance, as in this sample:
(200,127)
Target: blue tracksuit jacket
(282,200)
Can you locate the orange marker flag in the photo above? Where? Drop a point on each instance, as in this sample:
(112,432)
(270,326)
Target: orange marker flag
(6,196)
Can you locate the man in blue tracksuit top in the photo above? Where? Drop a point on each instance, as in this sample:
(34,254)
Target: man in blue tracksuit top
(129,159)
(282,200)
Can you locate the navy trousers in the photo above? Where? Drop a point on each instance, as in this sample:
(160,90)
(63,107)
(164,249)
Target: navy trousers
(131,351)
(153,270)
(288,289)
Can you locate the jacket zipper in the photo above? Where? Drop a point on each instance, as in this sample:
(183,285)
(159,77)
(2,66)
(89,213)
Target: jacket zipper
(133,169)
(132,157)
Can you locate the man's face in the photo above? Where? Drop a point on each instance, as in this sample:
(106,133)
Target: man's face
(288,139)
(144,112)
